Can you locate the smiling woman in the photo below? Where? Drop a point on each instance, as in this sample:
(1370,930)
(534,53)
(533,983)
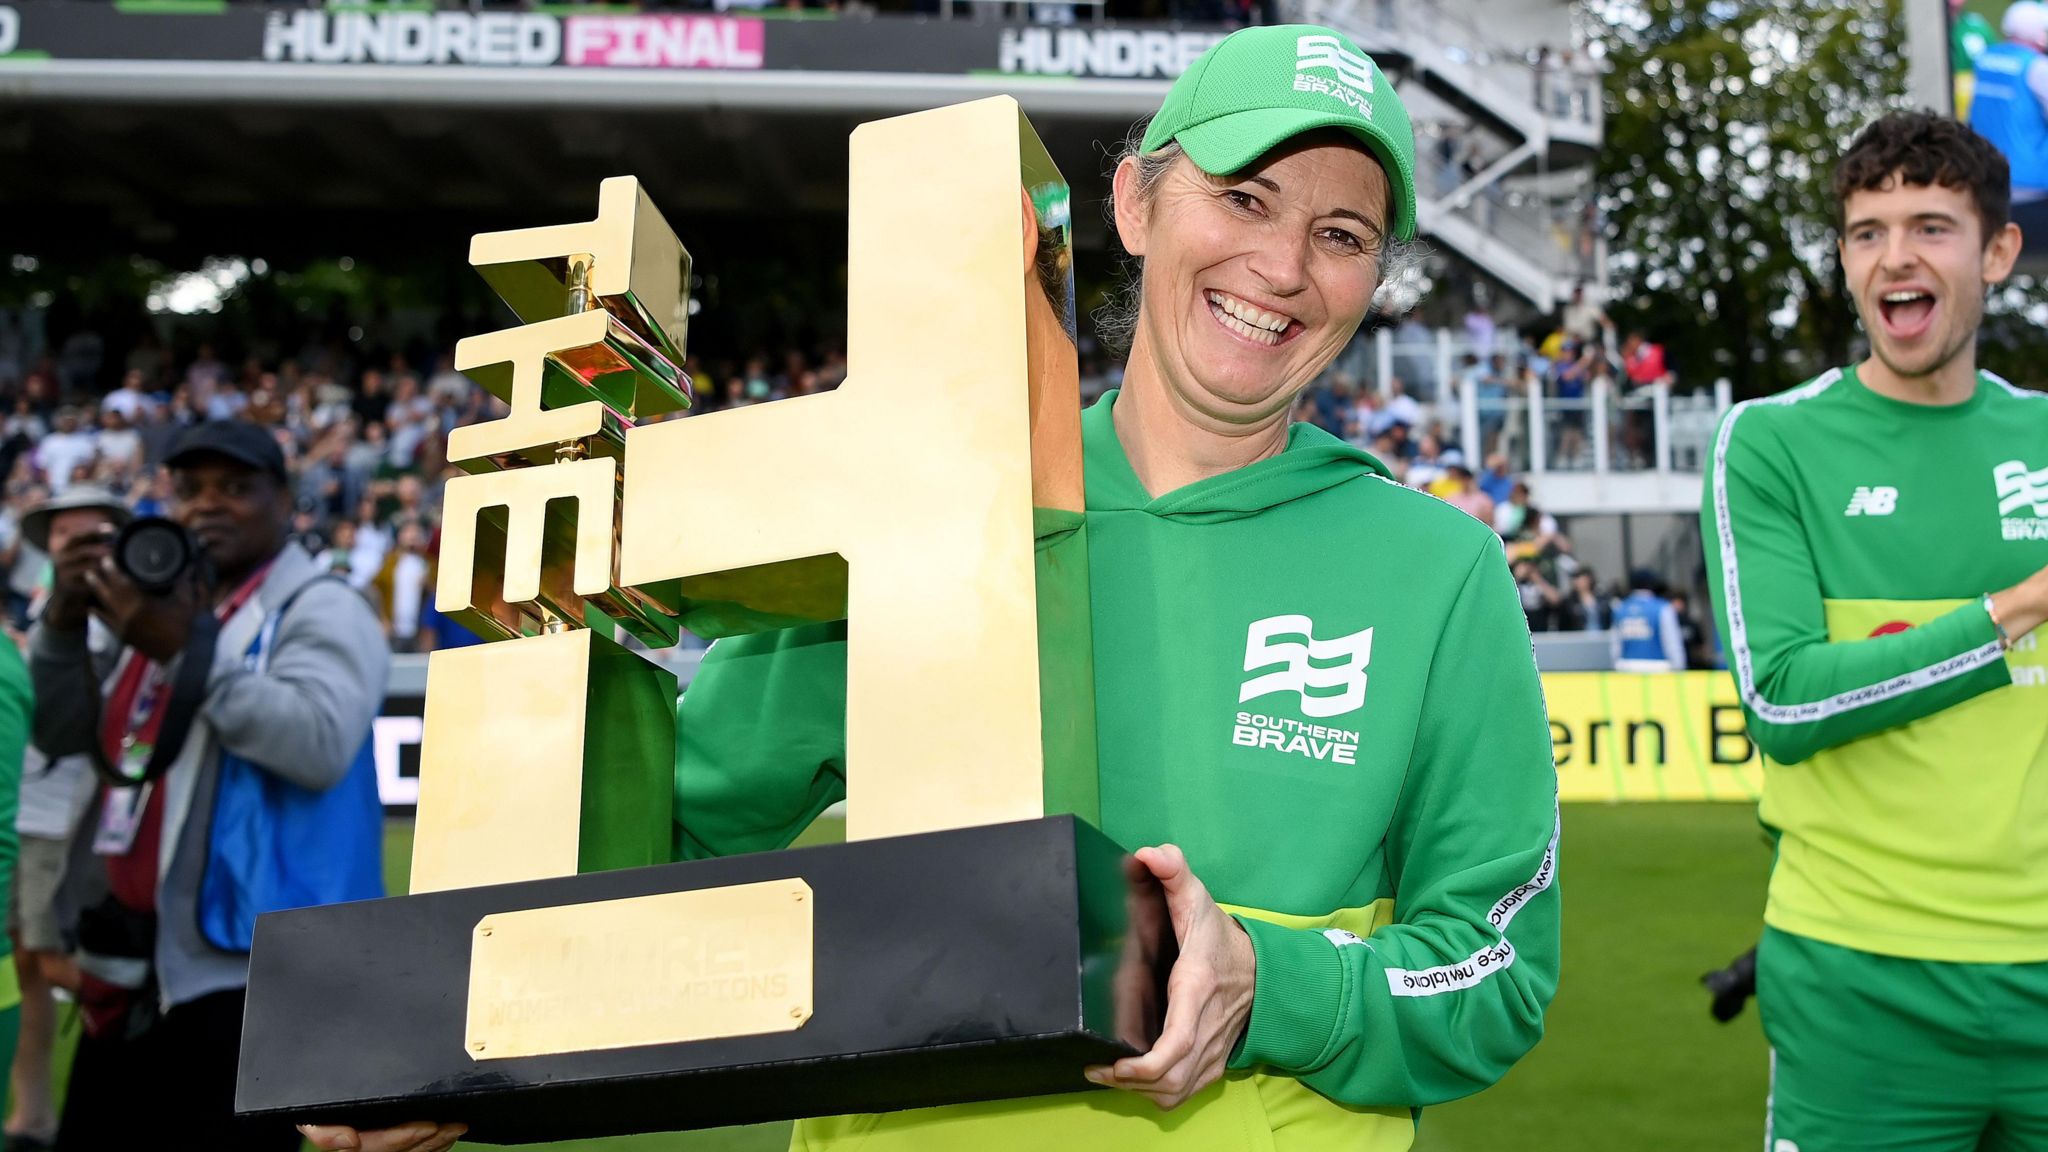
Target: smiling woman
(1364,904)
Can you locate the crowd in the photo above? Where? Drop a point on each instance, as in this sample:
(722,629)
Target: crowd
(364,447)
(364,440)
(1419,442)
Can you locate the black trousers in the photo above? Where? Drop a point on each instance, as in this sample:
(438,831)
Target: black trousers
(171,1087)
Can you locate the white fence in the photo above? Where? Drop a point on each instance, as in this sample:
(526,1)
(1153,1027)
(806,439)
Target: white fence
(1608,427)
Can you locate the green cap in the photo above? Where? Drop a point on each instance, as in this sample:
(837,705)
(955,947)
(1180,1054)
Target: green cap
(1260,86)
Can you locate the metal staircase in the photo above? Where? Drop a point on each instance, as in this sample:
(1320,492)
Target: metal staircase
(1527,125)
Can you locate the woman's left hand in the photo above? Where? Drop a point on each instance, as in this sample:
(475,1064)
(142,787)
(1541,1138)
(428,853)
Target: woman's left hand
(1208,994)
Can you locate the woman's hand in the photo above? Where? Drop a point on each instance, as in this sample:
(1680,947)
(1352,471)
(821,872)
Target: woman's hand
(419,1136)
(1208,994)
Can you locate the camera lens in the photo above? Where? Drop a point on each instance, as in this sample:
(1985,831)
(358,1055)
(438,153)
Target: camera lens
(154,552)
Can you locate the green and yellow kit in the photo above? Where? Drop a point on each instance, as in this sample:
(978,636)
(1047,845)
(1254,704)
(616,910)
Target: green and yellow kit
(1851,540)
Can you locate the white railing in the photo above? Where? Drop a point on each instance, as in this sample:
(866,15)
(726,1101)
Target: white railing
(1608,427)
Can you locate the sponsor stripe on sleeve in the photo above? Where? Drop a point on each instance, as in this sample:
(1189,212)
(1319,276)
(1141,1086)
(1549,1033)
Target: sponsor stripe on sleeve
(1493,957)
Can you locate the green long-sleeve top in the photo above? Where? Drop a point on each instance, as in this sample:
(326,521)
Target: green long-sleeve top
(1319,684)
(1850,541)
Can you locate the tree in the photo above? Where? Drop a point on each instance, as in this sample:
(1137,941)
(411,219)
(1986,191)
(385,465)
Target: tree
(1723,122)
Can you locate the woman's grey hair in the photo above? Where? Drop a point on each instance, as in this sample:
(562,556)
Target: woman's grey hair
(1116,319)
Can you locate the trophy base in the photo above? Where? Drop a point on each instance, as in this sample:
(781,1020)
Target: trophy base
(972,964)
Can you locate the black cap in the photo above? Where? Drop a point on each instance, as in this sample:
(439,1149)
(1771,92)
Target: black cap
(238,440)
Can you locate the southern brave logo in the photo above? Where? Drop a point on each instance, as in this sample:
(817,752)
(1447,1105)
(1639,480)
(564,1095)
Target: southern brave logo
(1307,664)
(1879,501)
(1329,52)
(1352,71)
(2022,491)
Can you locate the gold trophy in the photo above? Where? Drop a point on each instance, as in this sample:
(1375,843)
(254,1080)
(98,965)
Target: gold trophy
(551,975)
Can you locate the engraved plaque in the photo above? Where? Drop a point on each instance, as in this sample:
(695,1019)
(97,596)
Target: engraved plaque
(730,961)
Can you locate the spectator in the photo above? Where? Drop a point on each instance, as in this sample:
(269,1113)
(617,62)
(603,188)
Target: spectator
(1540,598)
(1535,361)
(1494,383)
(1479,329)
(1643,368)
(1643,362)
(1511,514)
(1585,610)
(2009,105)
(410,419)
(1691,638)
(1458,489)
(1424,467)
(832,373)
(287,723)
(24,422)
(1647,637)
(372,541)
(338,558)
(54,796)
(131,399)
(155,499)
(119,443)
(1583,320)
(372,402)
(366,456)
(1397,408)
(204,374)
(446,384)
(21,558)
(406,584)
(61,454)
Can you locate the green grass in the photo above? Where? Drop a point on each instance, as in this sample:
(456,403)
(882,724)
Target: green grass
(1654,895)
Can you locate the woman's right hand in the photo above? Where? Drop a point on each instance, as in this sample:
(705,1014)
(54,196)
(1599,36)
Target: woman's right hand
(419,1136)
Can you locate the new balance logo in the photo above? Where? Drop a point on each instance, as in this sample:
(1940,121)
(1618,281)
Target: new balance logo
(2019,488)
(1328,675)
(1873,502)
(1352,69)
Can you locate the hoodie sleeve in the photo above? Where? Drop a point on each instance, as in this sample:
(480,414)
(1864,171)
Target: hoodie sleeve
(1801,693)
(760,741)
(1440,1002)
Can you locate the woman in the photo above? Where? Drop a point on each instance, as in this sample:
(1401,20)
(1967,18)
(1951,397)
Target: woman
(1387,936)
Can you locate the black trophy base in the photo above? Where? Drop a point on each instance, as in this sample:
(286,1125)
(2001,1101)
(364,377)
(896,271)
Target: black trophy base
(974,964)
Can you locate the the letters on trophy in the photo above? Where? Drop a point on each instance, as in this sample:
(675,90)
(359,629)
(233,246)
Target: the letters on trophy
(920,473)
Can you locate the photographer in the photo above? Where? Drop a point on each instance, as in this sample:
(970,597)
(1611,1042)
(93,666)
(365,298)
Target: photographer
(231,733)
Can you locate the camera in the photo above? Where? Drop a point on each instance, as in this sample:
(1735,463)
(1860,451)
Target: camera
(1731,987)
(155,553)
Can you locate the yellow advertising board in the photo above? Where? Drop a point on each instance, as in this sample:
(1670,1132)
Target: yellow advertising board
(1660,736)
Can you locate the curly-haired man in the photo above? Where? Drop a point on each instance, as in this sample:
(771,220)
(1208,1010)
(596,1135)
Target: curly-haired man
(1878,549)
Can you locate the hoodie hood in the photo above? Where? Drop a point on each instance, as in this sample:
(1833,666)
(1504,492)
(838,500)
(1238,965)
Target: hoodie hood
(1313,461)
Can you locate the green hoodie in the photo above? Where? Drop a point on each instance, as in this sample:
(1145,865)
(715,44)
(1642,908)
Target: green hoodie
(1319,684)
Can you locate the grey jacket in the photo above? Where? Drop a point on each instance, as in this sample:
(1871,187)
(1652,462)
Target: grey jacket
(302,718)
